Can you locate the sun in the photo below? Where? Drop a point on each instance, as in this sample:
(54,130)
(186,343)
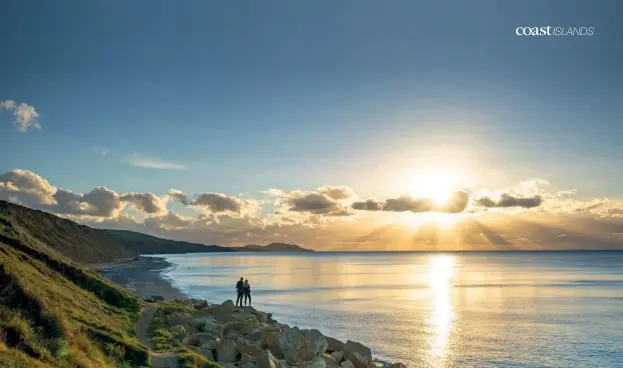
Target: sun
(436,185)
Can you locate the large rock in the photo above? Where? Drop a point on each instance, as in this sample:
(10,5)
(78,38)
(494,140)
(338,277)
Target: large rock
(228,306)
(208,326)
(246,358)
(317,362)
(210,345)
(355,347)
(284,364)
(189,322)
(268,340)
(347,364)
(261,317)
(249,326)
(206,353)
(357,360)
(178,330)
(330,362)
(301,346)
(334,345)
(256,335)
(247,365)
(226,350)
(247,347)
(267,360)
(200,304)
(338,356)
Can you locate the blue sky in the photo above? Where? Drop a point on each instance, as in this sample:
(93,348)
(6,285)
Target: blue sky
(252,95)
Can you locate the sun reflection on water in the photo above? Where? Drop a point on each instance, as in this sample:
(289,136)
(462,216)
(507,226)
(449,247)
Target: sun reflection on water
(441,271)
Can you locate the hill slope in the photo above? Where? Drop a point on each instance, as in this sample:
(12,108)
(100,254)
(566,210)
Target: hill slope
(78,242)
(274,247)
(53,311)
(147,244)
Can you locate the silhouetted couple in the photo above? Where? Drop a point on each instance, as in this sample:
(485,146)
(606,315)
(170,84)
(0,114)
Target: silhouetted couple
(243,289)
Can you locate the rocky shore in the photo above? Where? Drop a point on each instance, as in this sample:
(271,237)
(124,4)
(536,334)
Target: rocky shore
(243,337)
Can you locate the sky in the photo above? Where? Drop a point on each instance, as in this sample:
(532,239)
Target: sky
(282,115)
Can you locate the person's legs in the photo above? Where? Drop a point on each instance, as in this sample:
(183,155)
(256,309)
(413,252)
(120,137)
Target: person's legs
(239,300)
(249,295)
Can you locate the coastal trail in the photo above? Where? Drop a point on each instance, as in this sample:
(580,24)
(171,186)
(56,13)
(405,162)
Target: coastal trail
(158,360)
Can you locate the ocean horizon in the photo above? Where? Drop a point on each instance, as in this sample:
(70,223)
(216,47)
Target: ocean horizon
(434,309)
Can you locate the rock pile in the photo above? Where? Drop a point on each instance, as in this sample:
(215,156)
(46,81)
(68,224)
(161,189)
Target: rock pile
(248,338)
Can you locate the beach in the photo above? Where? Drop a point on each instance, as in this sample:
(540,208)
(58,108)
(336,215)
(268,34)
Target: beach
(142,277)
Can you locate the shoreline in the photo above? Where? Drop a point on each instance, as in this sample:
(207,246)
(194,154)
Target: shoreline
(142,277)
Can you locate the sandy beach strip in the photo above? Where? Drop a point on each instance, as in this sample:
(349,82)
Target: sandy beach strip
(142,277)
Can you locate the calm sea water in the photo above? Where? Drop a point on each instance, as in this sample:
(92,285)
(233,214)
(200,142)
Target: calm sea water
(554,309)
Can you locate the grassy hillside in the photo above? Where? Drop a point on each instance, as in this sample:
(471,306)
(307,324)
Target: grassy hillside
(146,244)
(78,242)
(54,312)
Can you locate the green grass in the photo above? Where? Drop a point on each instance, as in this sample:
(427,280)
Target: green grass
(55,313)
(190,359)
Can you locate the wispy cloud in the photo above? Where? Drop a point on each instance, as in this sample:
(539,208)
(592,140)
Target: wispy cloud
(101,150)
(25,115)
(153,163)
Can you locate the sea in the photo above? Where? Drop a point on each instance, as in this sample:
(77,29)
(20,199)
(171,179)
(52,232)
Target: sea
(478,309)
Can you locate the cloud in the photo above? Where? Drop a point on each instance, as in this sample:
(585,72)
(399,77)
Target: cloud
(613,213)
(25,115)
(326,201)
(101,150)
(30,189)
(153,163)
(170,221)
(507,200)
(212,202)
(368,205)
(145,202)
(456,204)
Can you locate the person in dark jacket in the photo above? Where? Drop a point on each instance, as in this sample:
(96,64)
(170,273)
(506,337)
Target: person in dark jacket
(239,291)
(247,292)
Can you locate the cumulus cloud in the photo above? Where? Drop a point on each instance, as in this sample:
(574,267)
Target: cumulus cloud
(145,202)
(25,115)
(30,189)
(613,213)
(153,163)
(326,201)
(456,204)
(368,205)
(212,202)
(507,200)
(169,221)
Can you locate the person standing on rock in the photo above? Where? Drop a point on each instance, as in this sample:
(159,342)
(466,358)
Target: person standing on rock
(240,291)
(247,292)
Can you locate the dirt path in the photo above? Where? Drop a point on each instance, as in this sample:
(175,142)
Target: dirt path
(158,360)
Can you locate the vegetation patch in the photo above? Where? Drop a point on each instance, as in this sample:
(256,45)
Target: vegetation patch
(187,358)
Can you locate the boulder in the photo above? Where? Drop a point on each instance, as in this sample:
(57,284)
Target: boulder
(317,362)
(190,340)
(208,326)
(248,365)
(189,322)
(261,317)
(355,347)
(228,306)
(255,335)
(205,337)
(357,360)
(210,345)
(338,356)
(334,345)
(329,361)
(200,304)
(283,364)
(246,358)
(268,340)
(396,365)
(226,350)
(347,364)
(267,360)
(206,353)
(178,330)
(249,326)
(248,348)
(157,298)
(301,346)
